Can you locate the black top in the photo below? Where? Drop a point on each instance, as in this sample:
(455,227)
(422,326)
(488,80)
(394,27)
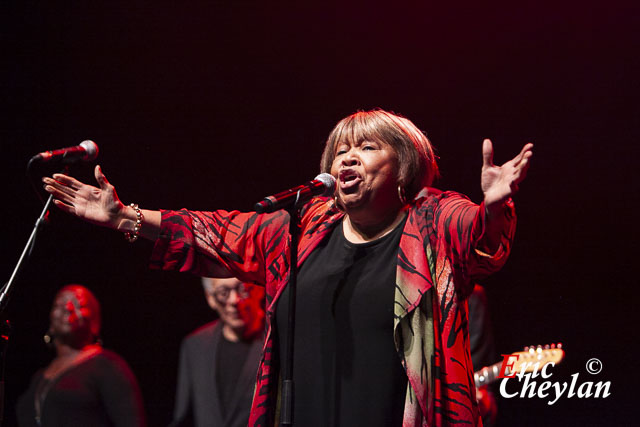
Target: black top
(230,358)
(346,368)
(480,331)
(99,391)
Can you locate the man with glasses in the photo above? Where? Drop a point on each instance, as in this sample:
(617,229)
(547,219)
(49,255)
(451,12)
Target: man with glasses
(219,361)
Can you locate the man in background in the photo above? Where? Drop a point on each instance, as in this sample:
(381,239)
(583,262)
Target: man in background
(219,361)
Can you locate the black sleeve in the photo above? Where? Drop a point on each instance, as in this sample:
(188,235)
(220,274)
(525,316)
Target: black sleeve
(182,413)
(120,393)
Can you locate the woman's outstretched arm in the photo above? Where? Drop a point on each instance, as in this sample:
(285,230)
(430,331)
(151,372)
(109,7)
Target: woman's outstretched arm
(99,205)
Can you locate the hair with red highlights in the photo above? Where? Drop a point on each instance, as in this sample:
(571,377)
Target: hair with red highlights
(416,158)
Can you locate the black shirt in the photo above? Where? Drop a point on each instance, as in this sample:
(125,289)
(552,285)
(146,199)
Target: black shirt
(230,358)
(347,371)
(100,391)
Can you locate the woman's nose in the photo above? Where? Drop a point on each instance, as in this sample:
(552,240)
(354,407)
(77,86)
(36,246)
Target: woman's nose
(350,158)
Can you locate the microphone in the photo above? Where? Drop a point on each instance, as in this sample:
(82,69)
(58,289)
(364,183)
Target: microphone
(86,152)
(323,185)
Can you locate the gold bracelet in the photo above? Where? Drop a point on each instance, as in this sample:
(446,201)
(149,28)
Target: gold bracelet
(133,235)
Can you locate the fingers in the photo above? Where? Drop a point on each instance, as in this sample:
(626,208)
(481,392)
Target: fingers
(522,168)
(487,153)
(522,159)
(102,180)
(59,195)
(522,164)
(66,180)
(525,153)
(500,182)
(62,196)
(64,207)
(56,188)
(65,189)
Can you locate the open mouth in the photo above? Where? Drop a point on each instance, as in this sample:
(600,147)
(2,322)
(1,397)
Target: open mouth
(349,179)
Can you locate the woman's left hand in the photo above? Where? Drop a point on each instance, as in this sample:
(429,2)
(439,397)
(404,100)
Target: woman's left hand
(501,182)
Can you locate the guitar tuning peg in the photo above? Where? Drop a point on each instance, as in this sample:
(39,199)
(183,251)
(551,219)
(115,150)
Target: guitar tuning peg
(559,345)
(547,347)
(526,348)
(553,346)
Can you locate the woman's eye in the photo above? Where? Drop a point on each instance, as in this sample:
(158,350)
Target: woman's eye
(368,147)
(341,152)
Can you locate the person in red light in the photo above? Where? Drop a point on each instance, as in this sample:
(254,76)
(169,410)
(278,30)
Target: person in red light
(482,349)
(219,361)
(84,384)
(385,266)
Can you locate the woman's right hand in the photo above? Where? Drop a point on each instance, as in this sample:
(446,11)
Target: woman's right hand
(100,206)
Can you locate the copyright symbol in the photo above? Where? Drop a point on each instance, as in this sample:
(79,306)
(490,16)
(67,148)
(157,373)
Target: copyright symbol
(594,366)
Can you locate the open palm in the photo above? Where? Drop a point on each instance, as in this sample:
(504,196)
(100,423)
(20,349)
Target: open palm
(99,206)
(501,182)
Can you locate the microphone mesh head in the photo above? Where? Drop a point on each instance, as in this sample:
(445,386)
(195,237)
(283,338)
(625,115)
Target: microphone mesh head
(91,148)
(329,182)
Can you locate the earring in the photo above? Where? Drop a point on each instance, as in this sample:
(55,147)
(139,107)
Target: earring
(401,195)
(336,204)
(48,339)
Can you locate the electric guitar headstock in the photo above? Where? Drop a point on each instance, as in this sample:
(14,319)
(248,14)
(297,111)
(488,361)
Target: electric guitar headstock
(531,359)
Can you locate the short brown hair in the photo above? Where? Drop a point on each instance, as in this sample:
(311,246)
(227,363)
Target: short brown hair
(416,158)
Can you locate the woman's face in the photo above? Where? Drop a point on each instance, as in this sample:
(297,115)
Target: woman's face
(70,314)
(367,175)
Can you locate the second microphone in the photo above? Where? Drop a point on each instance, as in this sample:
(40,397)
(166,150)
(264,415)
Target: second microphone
(323,185)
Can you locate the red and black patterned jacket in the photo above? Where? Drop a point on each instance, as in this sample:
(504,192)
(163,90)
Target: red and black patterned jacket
(440,255)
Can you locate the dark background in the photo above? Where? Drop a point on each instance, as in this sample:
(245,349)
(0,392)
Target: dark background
(217,105)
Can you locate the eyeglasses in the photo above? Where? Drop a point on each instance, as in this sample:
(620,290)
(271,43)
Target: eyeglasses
(222,293)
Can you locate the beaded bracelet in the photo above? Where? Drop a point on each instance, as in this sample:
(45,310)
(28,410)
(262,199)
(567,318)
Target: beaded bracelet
(133,235)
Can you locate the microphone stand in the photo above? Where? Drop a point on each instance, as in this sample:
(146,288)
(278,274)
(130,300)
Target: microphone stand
(6,289)
(5,293)
(288,393)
